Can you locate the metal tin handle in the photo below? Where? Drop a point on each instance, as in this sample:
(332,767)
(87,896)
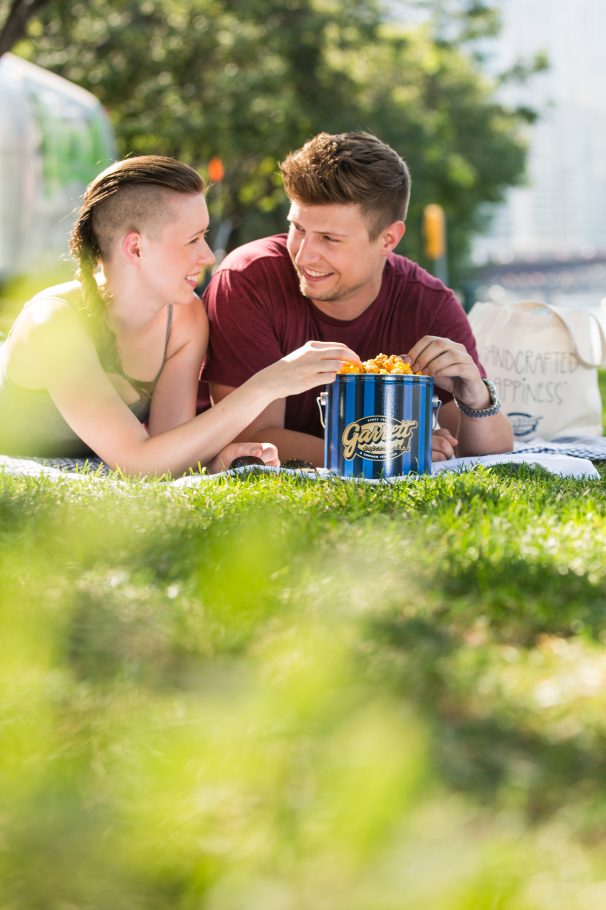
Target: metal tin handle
(436,404)
(321,399)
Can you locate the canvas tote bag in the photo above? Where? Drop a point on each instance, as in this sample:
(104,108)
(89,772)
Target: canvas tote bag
(543,360)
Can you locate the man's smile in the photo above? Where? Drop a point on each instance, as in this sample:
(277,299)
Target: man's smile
(314,274)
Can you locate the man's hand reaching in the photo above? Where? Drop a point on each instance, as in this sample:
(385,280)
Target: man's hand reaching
(443,445)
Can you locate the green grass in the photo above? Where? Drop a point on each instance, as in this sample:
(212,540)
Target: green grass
(270,693)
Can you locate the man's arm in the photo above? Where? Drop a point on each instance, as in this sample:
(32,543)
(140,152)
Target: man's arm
(455,371)
(477,435)
(269,427)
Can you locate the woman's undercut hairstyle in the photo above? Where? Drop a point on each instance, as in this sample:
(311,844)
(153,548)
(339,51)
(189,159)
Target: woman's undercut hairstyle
(128,196)
(132,194)
(350,169)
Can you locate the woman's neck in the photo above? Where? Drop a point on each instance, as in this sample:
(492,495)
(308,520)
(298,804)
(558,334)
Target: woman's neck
(129,310)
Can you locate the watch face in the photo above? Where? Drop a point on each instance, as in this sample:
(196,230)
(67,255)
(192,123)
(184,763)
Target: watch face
(492,390)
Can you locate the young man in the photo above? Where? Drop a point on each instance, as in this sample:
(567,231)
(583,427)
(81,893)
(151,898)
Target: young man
(335,277)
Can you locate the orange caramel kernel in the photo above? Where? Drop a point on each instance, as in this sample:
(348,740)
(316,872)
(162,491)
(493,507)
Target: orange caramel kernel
(348,366)
(382,365)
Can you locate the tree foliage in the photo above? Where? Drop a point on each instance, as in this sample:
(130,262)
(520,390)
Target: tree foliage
(249,80)
(14,17)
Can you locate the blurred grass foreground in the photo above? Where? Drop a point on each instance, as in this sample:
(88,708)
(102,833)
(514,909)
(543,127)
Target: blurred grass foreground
(270,694)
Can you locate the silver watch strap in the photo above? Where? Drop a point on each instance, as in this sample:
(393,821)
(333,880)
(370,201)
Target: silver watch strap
(493,408)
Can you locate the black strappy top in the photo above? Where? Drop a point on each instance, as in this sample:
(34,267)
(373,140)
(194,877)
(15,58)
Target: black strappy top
(145,387)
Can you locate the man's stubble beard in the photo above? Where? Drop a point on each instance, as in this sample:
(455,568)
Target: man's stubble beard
(330,297)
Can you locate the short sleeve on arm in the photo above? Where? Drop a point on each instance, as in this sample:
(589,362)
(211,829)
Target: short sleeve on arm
(243,339)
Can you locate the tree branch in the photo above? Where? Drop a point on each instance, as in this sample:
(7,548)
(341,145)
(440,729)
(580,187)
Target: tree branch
(15,24)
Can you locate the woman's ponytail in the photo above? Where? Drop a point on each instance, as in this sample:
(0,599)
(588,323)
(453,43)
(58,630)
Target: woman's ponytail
(86,252)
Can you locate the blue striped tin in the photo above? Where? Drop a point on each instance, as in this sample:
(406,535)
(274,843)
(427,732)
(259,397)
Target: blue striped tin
(378,425)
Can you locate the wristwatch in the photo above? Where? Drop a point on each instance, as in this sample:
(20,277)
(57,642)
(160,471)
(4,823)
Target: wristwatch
(493,408)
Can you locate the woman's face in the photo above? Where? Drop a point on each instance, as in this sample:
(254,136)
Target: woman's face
(173,257)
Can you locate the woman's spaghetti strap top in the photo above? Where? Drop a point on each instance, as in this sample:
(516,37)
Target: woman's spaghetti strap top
(144,387)
(30,422)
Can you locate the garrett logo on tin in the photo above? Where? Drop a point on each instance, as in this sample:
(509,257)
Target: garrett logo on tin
(377,437)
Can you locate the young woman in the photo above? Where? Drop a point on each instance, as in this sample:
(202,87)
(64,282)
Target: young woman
(109,364)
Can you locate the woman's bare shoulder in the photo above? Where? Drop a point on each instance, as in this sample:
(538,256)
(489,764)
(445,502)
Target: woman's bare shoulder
(67,291)
(48,331)
(49,312)
(189,326)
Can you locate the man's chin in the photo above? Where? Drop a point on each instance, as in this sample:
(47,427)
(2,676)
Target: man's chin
(314,293)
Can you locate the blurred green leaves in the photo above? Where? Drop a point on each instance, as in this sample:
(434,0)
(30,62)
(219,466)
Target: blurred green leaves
(249,81)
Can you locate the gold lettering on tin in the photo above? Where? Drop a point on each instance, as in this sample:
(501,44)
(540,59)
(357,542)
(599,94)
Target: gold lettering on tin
(377,437)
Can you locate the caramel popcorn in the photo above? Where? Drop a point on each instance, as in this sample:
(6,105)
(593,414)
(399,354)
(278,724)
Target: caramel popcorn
(381,365)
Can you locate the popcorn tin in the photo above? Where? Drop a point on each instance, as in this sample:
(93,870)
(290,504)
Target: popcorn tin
(378,425)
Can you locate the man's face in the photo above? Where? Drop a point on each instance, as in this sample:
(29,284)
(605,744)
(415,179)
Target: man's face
(333,255)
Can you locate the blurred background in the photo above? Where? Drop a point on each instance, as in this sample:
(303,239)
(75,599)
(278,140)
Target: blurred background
(281,696)
(494,105)
(548,240)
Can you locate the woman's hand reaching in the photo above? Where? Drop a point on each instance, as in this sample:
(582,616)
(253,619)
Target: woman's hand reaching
(314,364)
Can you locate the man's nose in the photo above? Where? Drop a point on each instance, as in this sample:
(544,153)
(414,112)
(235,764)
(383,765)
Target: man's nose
(305,251)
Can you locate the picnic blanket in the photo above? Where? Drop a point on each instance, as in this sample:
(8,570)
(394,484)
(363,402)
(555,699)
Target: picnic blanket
(558,461)
(592,447)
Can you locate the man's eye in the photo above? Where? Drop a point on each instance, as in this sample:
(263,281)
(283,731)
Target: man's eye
(331,239)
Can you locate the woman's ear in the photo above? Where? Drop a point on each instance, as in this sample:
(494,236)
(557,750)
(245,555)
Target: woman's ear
(130,247)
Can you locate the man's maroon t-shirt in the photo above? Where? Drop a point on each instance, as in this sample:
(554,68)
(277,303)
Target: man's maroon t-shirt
(257,315)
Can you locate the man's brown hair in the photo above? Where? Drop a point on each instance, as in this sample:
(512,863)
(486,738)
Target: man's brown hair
(350,169)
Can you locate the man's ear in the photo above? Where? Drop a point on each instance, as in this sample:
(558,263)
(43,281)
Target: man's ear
(131,246)
(391,236)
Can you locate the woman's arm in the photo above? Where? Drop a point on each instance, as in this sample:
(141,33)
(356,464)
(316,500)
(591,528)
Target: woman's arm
(175,394)
(89,403)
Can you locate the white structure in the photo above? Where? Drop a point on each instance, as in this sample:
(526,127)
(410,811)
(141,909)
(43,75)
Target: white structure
(54,138)
(562,209)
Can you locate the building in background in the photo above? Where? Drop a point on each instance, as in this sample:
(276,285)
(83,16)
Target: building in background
(561,211)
